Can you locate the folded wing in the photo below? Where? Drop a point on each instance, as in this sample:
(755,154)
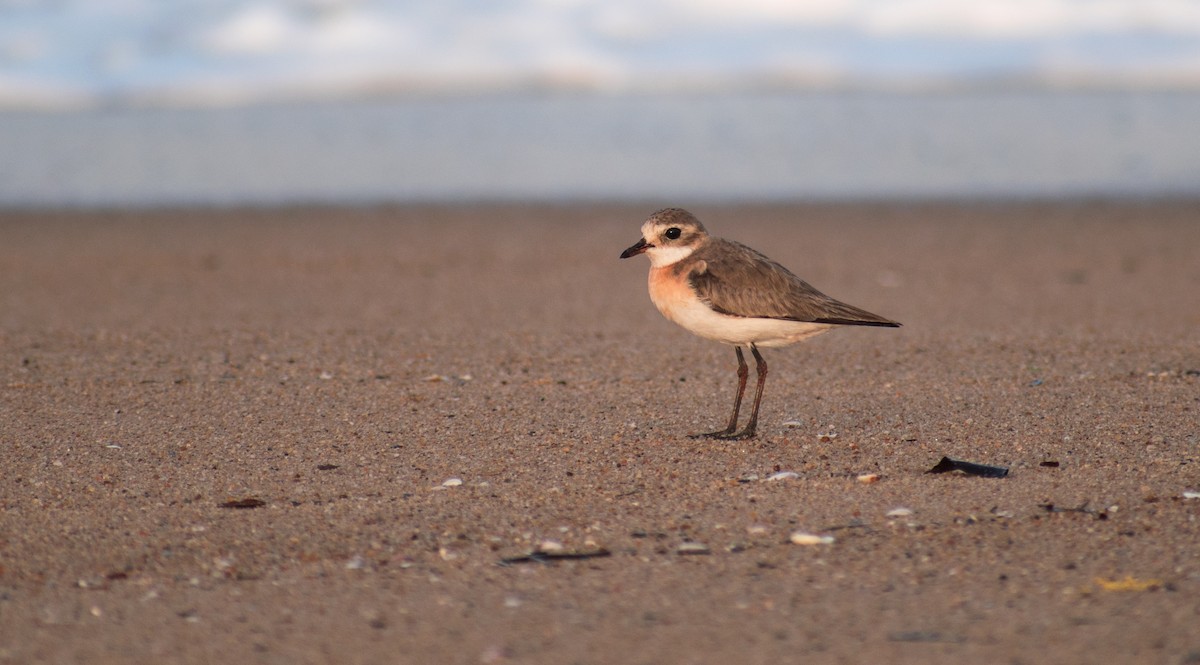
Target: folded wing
(737,280)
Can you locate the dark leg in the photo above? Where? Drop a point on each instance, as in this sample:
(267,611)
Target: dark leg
(762,381)
(742,372)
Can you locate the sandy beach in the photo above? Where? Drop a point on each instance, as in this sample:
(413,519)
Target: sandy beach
(329,435)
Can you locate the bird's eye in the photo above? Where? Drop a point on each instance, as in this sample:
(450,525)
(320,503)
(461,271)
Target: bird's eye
(673,233)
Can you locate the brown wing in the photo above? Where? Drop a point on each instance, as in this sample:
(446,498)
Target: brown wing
(737,280)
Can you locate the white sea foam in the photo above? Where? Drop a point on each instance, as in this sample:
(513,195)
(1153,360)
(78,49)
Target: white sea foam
(226,51)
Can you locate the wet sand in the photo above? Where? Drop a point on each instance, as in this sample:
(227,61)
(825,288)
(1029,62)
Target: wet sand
(339,366)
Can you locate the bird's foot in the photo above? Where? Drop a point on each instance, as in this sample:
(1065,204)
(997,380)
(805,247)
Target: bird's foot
(726,435)
(720,434)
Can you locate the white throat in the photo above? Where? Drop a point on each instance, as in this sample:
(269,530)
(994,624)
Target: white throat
(665,256)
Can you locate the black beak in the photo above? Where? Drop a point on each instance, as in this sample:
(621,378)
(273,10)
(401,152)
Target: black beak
(638,247)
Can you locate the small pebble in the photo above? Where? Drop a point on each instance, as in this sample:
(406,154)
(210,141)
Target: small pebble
(783,475)
(452,482)
(446,378)
(802,538)
(868,478)
(1191,494)
(374,618)
(550,546)
(899,512)
(692,548)
(826,437)
(793,423)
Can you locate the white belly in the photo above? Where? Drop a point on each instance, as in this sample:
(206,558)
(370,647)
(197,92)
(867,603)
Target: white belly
(737,330)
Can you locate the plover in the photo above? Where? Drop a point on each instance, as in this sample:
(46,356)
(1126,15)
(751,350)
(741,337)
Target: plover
(727,292)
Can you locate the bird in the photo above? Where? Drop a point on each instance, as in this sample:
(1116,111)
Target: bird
(727,292)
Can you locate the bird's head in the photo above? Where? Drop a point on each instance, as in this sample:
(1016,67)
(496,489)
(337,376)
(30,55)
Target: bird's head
(668,236)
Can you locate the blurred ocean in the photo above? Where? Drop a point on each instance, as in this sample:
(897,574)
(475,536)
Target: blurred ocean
(666,148)
(153,102)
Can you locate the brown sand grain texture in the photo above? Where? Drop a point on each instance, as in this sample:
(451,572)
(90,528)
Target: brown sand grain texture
(339,365)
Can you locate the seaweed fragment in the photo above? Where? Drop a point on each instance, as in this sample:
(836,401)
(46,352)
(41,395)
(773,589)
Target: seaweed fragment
(947,465)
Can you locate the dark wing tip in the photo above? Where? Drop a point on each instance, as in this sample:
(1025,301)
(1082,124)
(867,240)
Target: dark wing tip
(835,321)
(857,322)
